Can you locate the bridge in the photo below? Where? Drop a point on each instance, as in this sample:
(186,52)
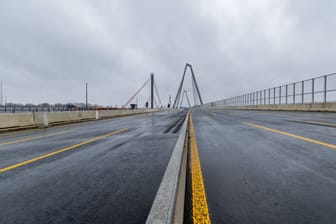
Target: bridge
(262,157)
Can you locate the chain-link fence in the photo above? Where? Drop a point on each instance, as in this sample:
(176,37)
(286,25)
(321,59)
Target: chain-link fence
(321,89)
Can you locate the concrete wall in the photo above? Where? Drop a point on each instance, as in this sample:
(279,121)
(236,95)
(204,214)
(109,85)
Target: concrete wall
(316,107)
(22,119)
(47,118)
(115,113)
(64,116)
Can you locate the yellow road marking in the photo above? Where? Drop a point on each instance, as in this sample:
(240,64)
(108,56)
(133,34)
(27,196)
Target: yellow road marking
(14,166)
(291,135)
(321,123)
(33,138)
(200,211)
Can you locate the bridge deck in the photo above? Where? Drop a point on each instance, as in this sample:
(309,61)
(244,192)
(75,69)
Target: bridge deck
(258,167)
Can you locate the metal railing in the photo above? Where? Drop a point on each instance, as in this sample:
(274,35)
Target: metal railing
(321,89)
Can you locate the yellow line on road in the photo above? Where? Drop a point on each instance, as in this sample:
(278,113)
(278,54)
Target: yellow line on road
(14,166)
(200,211)
(291,135)
(33,138)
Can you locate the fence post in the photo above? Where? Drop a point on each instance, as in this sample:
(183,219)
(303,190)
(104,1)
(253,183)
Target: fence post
(302,92)
(257,98)
(253,98)
(313,89)
(269,96)
(279,94)
(286,93)
(274,95)
(325,89)
(294,93)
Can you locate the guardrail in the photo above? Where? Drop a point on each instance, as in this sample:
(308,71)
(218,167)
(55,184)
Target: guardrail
(320,89)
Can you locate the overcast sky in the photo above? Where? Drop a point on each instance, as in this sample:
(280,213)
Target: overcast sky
(50,48)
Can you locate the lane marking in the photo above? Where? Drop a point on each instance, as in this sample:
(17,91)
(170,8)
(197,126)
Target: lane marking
(23,163)
(291,135)
(33,138)
(200,211)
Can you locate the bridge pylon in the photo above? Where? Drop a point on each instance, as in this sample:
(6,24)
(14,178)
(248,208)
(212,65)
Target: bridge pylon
(194,82)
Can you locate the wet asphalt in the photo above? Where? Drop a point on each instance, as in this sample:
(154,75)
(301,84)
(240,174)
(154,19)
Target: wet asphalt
(253,175)
(112,180)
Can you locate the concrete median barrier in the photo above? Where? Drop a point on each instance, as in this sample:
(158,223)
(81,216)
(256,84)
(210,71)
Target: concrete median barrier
(115,113)
(168,205)
(23,119)
(46,119)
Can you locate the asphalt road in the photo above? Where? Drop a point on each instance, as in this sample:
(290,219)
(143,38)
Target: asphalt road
(87,172)
(268,167)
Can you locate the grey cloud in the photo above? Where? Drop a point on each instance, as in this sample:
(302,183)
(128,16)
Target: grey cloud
(49,49)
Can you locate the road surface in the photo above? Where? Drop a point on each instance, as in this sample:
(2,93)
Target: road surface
(258,167)
(268,167)
(106,171)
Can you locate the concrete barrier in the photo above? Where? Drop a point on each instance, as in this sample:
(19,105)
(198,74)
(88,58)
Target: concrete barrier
(115,113)
(45,119)
(164,208)
(312,107)
(22,119)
